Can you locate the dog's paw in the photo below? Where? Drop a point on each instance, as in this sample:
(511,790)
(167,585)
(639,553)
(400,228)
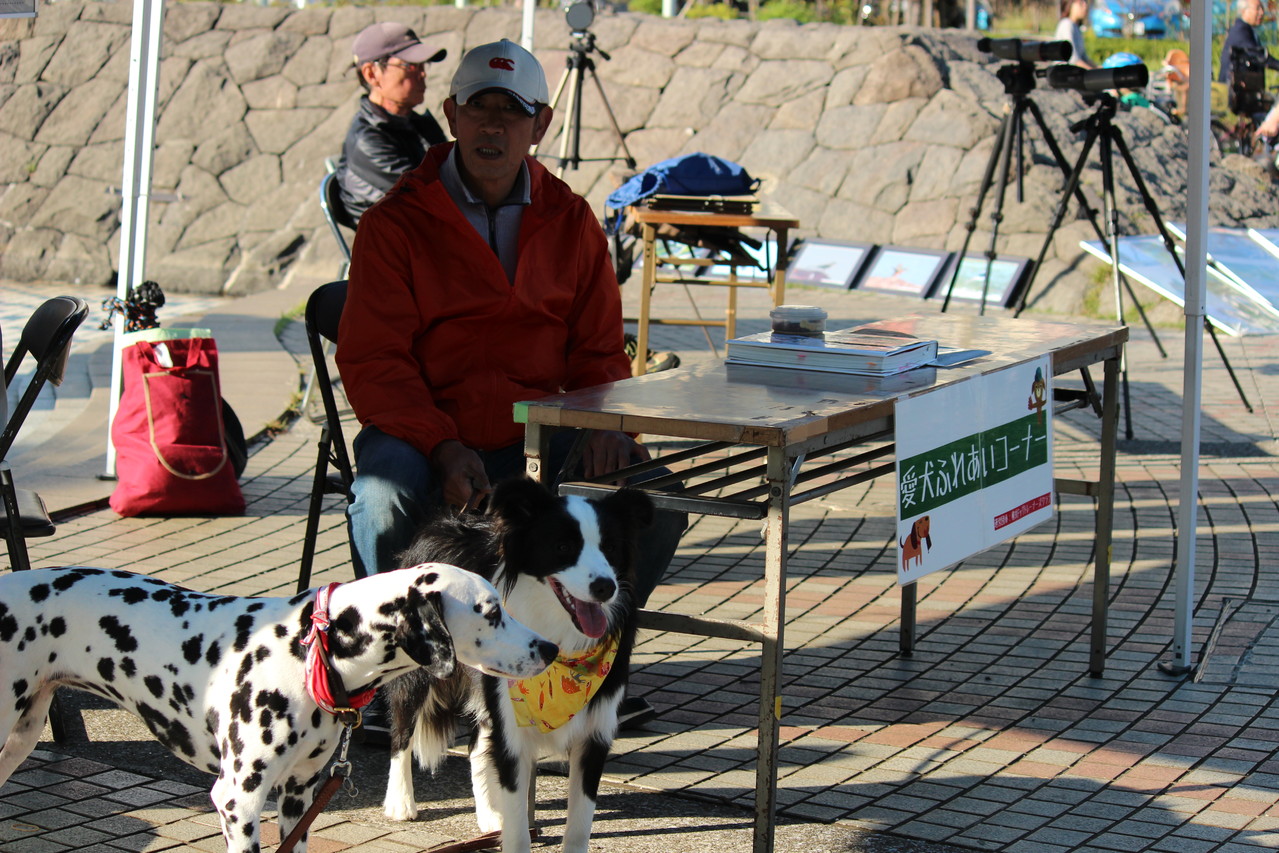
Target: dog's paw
(400,810)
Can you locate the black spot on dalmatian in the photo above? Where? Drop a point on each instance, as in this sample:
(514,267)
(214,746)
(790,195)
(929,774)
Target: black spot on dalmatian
(130,595)
(236,743)
(57,626)
(106,669)
(214,653)
(69,579)
(123,637)
(155,685)
(239,704)
(20,687)
(39,593)
(8,624)
(171,733)
(346,637)
(128,667)
(243,630)
(191,649)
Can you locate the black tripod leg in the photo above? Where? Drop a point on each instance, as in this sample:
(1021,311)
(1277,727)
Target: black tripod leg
(1072,187)
(1171,246)
(1112,245)
(1212,333)
(1116,137)
(612,119)
(987,178)
(997,156)
(1089,211)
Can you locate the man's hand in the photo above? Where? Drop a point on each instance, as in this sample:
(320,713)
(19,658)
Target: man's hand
(461,473)
(607,451)
(1268,128)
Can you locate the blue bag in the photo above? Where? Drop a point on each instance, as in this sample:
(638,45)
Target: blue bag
(690,174)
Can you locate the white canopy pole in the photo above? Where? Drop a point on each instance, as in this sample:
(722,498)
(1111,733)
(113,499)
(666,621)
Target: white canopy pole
(526,37)
(1196,274)
(139,136)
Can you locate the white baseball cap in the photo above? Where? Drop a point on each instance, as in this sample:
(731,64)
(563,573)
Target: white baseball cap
(503,66)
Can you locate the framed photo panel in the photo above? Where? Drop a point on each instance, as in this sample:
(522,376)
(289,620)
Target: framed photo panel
(828,263)
(1006,274)
(906,272)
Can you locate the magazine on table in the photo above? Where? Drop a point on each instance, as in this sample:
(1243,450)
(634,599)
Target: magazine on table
(875,349)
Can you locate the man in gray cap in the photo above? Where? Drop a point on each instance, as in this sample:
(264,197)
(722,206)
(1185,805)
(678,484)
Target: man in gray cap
(386,137)
(481,280)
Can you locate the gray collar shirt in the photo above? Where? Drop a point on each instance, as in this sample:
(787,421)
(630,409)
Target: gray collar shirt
(499,226)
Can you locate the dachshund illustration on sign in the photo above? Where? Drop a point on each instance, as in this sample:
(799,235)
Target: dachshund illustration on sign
(912,544)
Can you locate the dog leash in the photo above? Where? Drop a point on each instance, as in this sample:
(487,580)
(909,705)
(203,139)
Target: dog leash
(325,687)
(487,841)
(340,773)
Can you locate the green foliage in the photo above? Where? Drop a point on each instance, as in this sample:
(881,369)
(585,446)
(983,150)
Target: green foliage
(647,7)
(794,9)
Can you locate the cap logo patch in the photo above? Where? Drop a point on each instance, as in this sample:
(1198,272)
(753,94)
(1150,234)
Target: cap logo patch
(502,63)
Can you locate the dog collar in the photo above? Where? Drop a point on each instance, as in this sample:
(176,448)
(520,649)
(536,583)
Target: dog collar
(550,700)
(323,683)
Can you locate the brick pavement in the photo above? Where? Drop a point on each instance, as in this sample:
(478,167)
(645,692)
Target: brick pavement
(992,736)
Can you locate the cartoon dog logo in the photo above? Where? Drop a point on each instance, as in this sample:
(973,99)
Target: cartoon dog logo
(1038,398)
(912,544)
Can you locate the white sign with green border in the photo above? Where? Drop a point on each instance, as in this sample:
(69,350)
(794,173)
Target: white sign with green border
(974,466)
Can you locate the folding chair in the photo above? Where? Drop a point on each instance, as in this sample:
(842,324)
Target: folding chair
(323,313)
(337,217)
(47,338)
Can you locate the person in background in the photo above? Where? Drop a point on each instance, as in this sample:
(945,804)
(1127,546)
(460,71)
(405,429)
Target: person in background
(1243,33)
(386,137)
(479,281)
(1074,13)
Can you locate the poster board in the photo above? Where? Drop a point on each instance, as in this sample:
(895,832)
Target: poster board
(17,8)
(1146,261)
(903,271)
(974,466)
(828,263)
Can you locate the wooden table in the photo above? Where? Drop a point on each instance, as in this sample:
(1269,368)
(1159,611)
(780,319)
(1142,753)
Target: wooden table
(791,436)
(650,220)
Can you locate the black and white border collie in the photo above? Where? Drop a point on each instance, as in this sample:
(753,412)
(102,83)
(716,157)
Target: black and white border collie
(564,567)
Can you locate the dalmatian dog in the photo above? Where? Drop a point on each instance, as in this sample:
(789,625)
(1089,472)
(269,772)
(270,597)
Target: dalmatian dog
(224,683)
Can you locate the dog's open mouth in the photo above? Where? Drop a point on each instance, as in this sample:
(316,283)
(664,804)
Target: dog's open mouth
(586,615)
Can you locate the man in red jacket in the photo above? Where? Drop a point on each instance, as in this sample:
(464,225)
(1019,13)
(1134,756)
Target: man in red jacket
(480,280)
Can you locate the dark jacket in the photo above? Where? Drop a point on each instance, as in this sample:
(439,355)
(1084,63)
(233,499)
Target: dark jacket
(380,147)
(1241,34)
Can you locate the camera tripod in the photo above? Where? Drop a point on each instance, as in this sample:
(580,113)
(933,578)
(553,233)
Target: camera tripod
(579,63)
(1019,80)
(1100,126)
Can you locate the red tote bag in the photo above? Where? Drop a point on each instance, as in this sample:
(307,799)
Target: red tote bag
(170,440)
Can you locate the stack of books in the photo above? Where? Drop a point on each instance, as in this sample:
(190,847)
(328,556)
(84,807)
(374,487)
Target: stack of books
(875,349)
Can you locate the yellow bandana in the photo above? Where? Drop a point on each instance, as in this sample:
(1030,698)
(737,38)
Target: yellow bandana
(551,699)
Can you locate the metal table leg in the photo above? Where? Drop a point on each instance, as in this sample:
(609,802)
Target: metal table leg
(1105,516)
(770,696)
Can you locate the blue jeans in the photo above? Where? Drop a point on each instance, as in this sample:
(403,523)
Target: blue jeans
(396,490)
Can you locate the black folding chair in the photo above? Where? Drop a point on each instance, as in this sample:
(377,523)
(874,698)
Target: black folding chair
(46,338)
(337,217)
(323,313)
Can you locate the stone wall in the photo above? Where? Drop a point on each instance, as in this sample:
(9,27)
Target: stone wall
(871,134)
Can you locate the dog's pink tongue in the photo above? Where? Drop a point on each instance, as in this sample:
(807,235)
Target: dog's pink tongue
(590,617)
